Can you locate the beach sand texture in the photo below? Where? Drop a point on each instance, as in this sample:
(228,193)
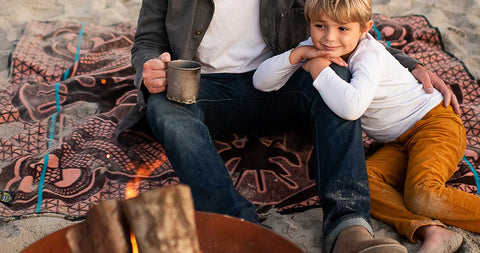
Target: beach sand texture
(458,21)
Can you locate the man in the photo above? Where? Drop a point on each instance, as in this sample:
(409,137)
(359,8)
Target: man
(230,39)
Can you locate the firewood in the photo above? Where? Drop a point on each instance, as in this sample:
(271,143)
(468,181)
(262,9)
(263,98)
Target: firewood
(163,220)
(104,230)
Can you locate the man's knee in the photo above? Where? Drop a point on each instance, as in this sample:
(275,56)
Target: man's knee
(174,120)
(342,72)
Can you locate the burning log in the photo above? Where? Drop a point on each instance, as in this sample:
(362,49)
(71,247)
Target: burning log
(163,220)
(160,220)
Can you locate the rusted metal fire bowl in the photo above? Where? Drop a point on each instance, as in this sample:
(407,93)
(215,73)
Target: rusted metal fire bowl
(216,234)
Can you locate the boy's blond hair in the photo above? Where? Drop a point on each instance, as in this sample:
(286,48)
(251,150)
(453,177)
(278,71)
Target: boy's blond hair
(340,11)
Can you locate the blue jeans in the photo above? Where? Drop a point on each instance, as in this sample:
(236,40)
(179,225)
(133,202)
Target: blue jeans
(229,103)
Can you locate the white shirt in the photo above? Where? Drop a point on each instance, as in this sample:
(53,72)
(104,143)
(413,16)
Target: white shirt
(233,42)
(382,92)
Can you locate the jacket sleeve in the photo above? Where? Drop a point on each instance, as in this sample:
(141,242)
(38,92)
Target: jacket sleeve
(406,61)
(151,38)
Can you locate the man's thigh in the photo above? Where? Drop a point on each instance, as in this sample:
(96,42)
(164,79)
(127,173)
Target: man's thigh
(230,103)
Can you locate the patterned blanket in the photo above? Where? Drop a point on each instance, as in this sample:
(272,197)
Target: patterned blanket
(72,83)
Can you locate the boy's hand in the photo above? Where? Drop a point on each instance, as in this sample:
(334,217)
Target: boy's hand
(309,52)
(155,73)
(316,65)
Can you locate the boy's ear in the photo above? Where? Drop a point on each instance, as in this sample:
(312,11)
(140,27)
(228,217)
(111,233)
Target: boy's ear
(367,28)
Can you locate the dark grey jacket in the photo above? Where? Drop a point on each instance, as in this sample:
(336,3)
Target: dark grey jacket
(178,27)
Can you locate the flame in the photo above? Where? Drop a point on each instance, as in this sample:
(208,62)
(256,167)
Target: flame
(133,240)
(132,188)
(131,191)
(143,171)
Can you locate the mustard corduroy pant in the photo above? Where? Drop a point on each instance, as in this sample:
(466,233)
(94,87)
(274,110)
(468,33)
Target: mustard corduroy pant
(407,177)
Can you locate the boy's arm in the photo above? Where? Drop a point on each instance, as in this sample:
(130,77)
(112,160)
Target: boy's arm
(350,100)
(346,100)
(274,72)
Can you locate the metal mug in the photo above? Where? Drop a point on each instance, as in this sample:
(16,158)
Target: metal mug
(183,78)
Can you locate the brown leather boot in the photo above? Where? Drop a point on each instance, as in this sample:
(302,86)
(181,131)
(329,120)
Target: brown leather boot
(357,239)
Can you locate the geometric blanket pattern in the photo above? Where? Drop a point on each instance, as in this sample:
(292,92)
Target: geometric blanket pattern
(72,83)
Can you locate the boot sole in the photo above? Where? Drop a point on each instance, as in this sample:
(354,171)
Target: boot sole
(385,248)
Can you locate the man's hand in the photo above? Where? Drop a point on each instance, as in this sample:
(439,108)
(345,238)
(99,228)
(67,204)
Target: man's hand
(155,73)
(430,80)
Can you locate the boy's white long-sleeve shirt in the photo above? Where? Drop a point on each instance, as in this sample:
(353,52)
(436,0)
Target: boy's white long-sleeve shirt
(382,92)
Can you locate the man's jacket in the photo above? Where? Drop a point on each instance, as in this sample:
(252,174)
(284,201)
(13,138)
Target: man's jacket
(178,27)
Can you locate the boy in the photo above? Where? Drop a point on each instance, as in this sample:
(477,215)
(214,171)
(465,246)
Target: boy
(424,140)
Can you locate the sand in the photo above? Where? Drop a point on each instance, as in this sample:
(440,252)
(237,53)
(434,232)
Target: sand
(458,21)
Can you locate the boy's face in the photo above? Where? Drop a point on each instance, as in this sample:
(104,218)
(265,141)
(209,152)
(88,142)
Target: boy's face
(338,39)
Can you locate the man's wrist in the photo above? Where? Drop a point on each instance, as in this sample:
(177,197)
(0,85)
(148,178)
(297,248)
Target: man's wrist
(418,65)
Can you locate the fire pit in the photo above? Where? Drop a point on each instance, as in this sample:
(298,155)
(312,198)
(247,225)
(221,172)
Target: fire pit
(216,234)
